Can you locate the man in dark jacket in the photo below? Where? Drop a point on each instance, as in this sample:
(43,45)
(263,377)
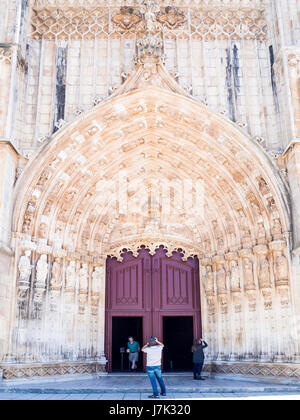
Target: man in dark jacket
(198,357)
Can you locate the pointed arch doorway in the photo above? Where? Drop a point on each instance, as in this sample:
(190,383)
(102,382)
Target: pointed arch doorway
(152,295)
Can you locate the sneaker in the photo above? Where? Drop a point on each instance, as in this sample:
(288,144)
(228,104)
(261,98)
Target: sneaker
(163,395)
(201,378)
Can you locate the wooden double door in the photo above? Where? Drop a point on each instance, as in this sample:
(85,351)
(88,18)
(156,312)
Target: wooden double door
(150,288)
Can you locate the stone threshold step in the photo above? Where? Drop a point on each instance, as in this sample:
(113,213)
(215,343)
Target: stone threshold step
(173,390)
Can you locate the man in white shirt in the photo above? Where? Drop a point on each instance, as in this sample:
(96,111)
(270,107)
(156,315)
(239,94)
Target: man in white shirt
(154,349)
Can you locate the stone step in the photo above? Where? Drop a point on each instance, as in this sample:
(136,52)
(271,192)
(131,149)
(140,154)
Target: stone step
(171,389)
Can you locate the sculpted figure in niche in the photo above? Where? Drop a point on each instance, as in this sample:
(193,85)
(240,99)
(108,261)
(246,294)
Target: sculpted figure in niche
(221,279)
(25,267)
(42,270)
(83,277)
(235,275)
(263,186)
(210,284)
(264,273)
(261,232)
(97,277)
(71,275)
(277,228)
(281,268)
(248,271)
(42,231)
(56,279)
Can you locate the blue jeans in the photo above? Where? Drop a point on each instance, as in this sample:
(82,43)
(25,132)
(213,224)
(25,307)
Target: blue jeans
(154,373)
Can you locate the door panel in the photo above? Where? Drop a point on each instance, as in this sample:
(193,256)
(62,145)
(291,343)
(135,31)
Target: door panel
(152,286)
(127,286)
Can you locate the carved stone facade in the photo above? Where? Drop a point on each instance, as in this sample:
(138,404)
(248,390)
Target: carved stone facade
(144,125)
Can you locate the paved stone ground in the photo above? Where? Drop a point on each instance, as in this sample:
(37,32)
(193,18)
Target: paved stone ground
(136,387)
(139,396)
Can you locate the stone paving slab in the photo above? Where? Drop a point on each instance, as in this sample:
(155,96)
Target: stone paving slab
(143,397)
(135,387)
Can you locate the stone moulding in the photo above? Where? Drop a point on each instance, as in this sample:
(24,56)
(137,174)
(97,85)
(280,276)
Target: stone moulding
(153,245)
(40,370)
(118,3)
(208,20)
(45,370)
(289,370)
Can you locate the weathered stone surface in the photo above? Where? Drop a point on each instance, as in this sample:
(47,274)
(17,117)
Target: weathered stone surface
(162,101)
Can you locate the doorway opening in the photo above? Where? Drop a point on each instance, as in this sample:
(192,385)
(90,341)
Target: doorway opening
(178,339)
(122,328)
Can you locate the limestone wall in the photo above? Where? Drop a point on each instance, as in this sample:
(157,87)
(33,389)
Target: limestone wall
(60,307)
(226,66)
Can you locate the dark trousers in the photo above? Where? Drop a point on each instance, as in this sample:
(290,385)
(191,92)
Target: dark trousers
(198,368)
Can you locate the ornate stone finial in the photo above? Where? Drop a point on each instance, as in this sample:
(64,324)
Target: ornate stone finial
(149,49)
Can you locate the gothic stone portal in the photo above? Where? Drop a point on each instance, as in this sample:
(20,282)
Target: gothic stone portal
(152,287)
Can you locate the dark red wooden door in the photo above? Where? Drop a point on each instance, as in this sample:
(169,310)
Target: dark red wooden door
(151,287)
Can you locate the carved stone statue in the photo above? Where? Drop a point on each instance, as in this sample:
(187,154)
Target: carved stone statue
(56,279)
(25,267)
(210,284)
(281,268)
(71,275)
(248,272)
(264,273)
(83,278)
(42,233)
(277,229)
(42,270)
(97,278)
(235,276)
(221,279)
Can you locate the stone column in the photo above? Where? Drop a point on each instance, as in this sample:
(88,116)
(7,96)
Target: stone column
(208,307)
(8,162)
(236,305)
(224,333)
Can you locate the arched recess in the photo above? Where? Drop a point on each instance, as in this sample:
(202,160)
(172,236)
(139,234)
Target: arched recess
(151,134)
(65,202)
